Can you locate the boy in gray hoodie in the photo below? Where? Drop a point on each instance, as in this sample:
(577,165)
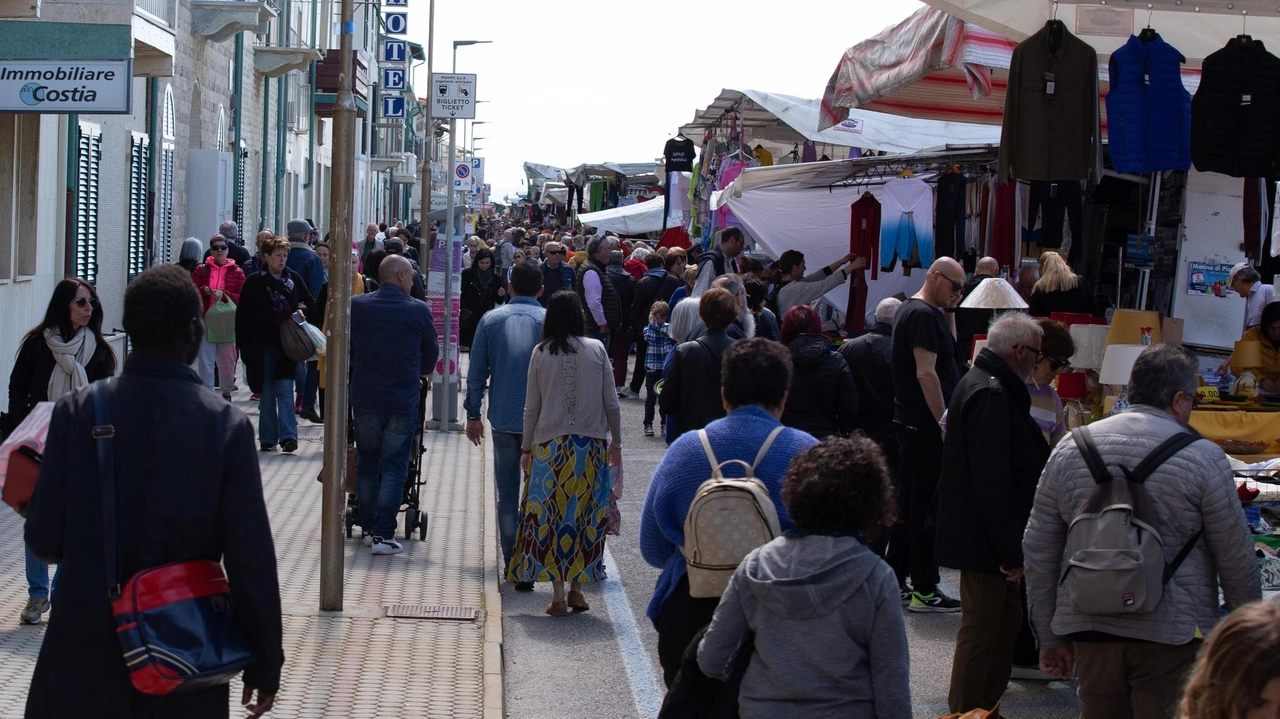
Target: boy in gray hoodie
(825,610)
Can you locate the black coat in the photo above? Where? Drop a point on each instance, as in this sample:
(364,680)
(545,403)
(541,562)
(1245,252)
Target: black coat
(991,463)
(187,487)
(29,381)
(624,286)
(692,388)
(646,293)
(823,399)
(258,323)
(1229,135)
(476,300)
(870,360)
(1078,299)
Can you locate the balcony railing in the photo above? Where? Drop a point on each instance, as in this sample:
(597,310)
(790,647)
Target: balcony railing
(161,10)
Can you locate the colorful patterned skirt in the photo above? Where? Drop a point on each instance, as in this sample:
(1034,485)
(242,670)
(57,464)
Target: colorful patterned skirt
(564,510)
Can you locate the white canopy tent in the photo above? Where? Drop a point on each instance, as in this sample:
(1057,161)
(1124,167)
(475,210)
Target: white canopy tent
(641,217)
(780,122)
(806,208)
(1197,28)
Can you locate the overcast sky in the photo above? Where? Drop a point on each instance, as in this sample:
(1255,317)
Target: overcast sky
(574,81)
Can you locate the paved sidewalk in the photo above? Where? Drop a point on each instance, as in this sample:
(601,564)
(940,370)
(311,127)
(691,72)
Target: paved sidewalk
(354,663)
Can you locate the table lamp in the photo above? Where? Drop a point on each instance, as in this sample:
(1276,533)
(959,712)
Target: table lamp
(1248,357)
(1090,342)
(1072,390)
(994,293)
(1126,327)
(1117,366)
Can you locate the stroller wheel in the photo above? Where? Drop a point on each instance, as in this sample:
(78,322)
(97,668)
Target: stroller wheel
(410,517)
(422,526)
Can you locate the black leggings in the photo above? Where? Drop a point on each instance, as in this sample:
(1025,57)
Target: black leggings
(682,617)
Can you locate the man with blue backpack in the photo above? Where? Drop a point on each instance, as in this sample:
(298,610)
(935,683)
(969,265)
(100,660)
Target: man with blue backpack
(1136,523)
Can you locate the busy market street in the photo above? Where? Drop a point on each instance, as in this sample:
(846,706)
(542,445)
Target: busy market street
(916,359)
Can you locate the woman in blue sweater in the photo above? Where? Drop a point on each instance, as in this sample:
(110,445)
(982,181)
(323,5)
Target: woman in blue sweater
(755,376)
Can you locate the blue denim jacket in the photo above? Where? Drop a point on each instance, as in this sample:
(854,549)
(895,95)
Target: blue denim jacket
(503,344)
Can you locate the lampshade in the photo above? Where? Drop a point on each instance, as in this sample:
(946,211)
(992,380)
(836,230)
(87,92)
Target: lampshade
(1117,363)
(1090,341)
(1248,355)
(1126,327)
(1072,386)
(994,293)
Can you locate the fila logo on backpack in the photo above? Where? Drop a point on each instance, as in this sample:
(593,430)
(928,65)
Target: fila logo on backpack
(1114,556)
(727,519)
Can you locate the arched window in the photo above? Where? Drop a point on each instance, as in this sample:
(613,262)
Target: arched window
(164,186)
(220,142)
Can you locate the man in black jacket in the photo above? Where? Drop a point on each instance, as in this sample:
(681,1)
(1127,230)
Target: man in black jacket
(723,260)
(169,508)
(599,298)
(624,287)
(992,458)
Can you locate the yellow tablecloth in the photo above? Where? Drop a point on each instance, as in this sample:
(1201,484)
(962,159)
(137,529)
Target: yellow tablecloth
(1240,425)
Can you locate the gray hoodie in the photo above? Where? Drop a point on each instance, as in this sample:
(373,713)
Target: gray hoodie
(829,634)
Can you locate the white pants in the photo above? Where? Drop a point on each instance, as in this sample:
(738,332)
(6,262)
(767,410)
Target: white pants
(221,355)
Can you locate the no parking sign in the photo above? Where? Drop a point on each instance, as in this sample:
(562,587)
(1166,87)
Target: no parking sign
(462,179)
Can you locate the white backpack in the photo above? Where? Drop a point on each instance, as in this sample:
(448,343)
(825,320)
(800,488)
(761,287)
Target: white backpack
(727,519)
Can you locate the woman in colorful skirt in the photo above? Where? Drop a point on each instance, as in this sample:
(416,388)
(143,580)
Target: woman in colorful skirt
(570,411)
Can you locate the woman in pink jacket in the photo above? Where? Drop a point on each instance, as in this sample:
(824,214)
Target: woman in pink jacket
(219,280)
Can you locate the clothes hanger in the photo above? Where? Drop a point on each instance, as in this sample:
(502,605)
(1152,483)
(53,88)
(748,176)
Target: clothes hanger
(1056,29)
(1148,34)
(906,173)
(1244,37)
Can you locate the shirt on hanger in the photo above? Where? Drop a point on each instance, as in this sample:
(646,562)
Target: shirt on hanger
(906,227)
(678,154)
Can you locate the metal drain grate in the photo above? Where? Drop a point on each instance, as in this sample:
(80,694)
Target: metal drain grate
(311,433)
(432,611)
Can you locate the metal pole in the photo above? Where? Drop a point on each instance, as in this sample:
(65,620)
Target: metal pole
(338,314)
(449,413)
(428,147)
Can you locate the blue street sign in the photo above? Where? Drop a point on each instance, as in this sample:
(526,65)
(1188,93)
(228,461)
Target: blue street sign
(397,22)
(395,50)
(397,3)
(393,106)
(393,79)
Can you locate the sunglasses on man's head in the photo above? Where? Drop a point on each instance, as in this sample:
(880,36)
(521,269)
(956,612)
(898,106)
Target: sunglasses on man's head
(82,301)
(218,248)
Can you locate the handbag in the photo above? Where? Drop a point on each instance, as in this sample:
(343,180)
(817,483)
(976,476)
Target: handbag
(294,340)
(175,622)
(317,338)
(220,320)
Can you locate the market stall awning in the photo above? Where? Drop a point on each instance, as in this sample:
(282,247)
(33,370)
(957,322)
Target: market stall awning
(939,66)
(779,122)
(638,171)
(640,217)
(1197,29)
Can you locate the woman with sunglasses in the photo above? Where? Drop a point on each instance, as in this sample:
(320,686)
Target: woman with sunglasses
(62,354)
(219,279)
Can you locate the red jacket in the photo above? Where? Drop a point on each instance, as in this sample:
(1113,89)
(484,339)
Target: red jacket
(228,278)
(635,268)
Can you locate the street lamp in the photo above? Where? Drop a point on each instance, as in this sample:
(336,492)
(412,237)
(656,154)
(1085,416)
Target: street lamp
(462,43)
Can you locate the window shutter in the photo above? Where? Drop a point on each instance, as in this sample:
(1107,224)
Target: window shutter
(139,171)
(88,163)
(164,212)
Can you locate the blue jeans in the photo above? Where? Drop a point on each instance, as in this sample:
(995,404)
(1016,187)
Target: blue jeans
(595,334)
(382,467)
(276,420)
(506,478)
(311,386)
(38,584)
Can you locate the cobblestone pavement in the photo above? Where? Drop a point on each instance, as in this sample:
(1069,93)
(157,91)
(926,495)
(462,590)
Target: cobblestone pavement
(354,663)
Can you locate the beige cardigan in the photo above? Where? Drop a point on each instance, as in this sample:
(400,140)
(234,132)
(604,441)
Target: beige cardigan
(571,394)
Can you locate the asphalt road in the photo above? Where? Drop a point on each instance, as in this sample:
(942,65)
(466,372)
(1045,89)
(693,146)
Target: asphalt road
(604,663)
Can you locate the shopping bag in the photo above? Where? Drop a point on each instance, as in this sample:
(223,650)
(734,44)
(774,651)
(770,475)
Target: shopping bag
(317,338)
(220,320)
(20,455)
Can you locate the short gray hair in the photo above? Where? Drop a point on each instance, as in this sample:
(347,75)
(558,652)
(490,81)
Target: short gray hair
(229,230)
(594,244)
(1012,329)
(732,283)
(1160,373)
(686,325)
(1245,272)
(887,309)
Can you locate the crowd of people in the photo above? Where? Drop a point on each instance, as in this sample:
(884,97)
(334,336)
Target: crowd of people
(881,459)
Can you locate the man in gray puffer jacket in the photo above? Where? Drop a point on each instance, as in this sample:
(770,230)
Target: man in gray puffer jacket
(1133,664)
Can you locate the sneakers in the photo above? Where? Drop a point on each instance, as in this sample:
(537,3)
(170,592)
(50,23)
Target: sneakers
(267,446)
(386,546)
(648,430)
(628,393)
(367,540)
(904,592)
(289,445)
(34,611)
(934,601)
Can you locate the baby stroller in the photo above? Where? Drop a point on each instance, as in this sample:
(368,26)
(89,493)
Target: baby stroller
(414,517)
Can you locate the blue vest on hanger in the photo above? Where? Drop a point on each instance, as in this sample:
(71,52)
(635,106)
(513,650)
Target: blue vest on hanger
(1148,109)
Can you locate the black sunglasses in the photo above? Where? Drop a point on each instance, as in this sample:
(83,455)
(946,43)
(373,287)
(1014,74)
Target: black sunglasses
(82,301)
(218,248)
(1055,363)
(955,286)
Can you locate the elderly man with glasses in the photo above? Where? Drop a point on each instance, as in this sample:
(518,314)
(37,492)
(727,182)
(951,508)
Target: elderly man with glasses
(556,273)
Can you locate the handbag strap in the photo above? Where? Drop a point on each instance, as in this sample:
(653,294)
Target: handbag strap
(103,434)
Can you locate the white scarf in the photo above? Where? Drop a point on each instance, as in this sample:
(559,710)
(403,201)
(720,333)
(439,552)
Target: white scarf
(70,359)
